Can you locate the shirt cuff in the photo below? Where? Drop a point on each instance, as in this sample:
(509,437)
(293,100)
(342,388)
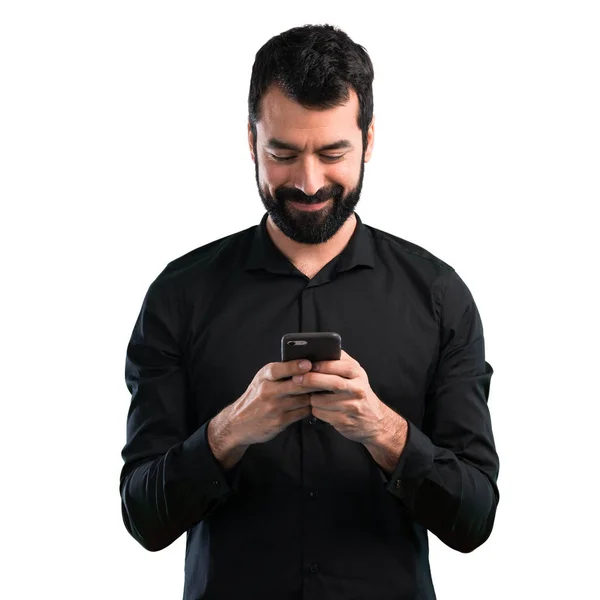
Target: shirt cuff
(415,463)
(212,480)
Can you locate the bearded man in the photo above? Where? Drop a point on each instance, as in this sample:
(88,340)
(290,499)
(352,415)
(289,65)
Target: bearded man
(283,492)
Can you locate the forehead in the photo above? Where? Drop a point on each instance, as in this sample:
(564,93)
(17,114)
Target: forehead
(285,119)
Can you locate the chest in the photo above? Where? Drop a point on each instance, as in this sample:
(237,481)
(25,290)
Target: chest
(392,335)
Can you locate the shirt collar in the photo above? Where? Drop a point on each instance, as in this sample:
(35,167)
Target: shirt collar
(263,254)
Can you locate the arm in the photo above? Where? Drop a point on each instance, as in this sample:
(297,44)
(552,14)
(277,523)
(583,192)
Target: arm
(170,480)
(446,473)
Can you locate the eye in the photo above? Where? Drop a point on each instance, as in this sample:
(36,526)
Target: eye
(325,157)
(282,158)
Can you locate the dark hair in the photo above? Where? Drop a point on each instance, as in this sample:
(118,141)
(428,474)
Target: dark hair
(315,66)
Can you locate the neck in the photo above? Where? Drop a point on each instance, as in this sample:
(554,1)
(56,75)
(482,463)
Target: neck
(312,253)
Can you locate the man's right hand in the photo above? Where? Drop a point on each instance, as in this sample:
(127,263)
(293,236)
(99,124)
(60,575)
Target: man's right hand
(270,403)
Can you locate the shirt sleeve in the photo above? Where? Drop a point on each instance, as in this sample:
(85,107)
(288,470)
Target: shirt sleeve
(446,475)
(170,479)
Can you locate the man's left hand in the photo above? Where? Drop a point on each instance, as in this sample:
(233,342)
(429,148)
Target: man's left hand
(352,407)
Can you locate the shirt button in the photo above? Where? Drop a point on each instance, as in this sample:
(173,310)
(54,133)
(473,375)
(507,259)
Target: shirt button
(313,495)
(314,568)
(398,484)
(312,420)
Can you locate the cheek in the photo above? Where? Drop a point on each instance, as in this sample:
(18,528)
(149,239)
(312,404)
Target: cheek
(345,173)
(273,175)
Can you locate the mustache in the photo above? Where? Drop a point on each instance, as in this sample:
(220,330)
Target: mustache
(295,195)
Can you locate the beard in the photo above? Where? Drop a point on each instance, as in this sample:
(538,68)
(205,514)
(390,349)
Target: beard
(314,227)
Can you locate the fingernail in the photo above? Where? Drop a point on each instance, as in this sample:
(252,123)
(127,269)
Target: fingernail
(303,364)
(298,378)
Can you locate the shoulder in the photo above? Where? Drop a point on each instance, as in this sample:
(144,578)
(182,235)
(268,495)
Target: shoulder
(212,257)
(408,253)
(191,279)
(436,278)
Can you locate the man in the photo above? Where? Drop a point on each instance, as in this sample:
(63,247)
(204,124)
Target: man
(284,493)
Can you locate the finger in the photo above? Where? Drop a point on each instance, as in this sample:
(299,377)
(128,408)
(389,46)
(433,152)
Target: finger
(323,381)
(292,416)
(280,391)
(342,368)
(291,388)
(329,403)
(294,402)
(281,370)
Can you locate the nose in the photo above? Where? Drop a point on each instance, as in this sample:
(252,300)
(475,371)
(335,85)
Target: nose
(309,176)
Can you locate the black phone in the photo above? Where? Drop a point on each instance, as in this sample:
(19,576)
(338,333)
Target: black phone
(314,346)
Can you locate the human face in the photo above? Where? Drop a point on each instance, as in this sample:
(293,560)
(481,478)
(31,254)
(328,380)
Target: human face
(309,165)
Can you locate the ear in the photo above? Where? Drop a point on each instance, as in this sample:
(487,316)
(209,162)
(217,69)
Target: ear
(251,143)
(370,140)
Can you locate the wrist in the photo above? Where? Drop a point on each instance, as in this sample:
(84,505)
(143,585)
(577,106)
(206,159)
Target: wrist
(219,435)
(388,445)
(221,440)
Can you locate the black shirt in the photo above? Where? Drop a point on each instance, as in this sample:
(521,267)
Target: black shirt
(309,514)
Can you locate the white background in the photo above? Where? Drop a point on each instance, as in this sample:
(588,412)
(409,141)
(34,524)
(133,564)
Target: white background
(123,146)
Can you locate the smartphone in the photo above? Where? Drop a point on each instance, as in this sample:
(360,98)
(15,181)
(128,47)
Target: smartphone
(314,346)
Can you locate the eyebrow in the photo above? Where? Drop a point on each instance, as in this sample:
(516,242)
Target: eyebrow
(280,145)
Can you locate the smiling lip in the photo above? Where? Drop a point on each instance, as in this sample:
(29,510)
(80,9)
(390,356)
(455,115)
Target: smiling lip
(309,207)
